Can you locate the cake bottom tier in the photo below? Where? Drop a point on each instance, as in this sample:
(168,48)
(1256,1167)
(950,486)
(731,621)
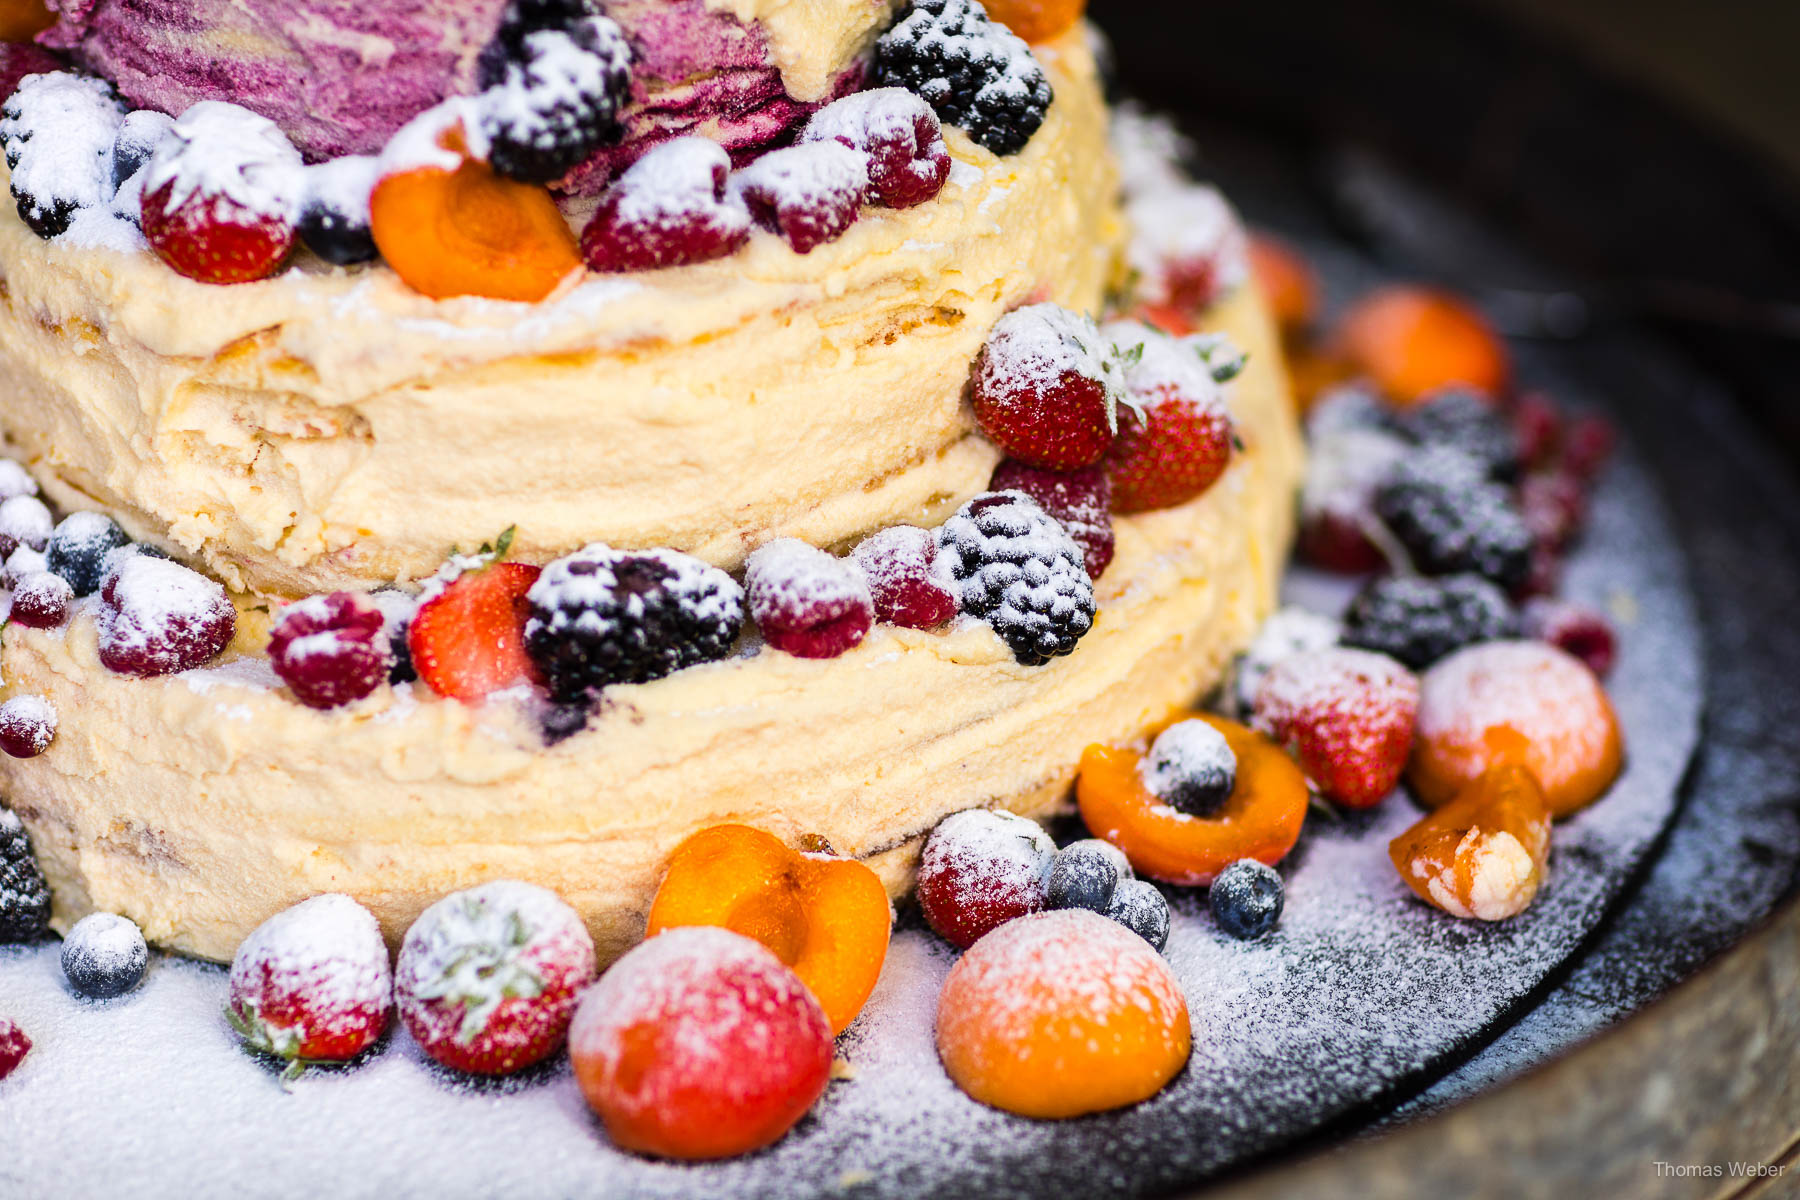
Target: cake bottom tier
(200,804)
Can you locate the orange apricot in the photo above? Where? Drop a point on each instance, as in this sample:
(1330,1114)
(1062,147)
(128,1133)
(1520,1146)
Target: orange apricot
(1519,702)
(1484,854)
(22,20)
(1261,819)
(1287,282)
(1176,322)
(470,232)
(1412,341)
(827,918)
(1062,1013)
(1037,20)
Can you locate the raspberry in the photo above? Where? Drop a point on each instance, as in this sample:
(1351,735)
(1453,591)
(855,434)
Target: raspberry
(1175,439)
(14,1046)
(1468,421)
(24,521)
(1451,519)
(41,600)
(1246,899)
(669,209)
(311,984)
(1188,247)
(908,161)
(104,956)
(981,869)
(334,216)
(78,548)
(1191,768)
(221,195)
(1579,631)
(807,602)
(58,133)
(900,564)
(603,616)
(1017,569)
(27,726)
(1419,621)
(1286,632)
(1587,445)
(1046,388)
(1337,498)
(559,100)
(24,896)
(1538,425)
(331,650)
(157,617)
(1348,716)
(978,75)
(488,977)
(809,193)
(1553,505)
(1080,499)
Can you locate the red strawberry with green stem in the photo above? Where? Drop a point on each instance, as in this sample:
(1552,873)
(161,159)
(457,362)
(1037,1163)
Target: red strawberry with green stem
(468,636)
(1047,388)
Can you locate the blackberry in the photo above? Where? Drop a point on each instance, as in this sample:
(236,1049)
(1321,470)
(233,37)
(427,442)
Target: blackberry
(1084,876)
(1451,519)
(58,132)
(334,217)
(104,956)
(559,100)
(1246,899)
(24,896)
(1419,621)
(525,17)
(603,616)
(1143,909)
(79,547)
(977,74)
(1016,567)
(1191,768)
(1468,421)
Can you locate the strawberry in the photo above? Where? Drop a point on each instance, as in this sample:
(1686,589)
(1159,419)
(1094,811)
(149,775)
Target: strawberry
(468,636)
(1046,388)
(488,976)
(1175,440)
(1347,715)
(311,984)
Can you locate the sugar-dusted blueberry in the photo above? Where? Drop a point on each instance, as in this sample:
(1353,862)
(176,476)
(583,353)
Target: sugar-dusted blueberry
(334,213)
(78,548)
(104,956)
(137,139)
(1246,899)
(397,609)
(1190,768)
(1141,907)
(1083,877)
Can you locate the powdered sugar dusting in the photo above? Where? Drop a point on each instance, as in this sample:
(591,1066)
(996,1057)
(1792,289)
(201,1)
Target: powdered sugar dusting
(1288,631)
(1031,349)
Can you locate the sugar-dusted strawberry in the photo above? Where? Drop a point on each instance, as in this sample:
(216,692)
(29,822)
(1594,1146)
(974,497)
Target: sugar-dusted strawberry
(900,563)
(488,976)
(311,984)
(908,161)
(222,194)
(1175,438)
(670,209)
(1081,500)
(468,636)
(14,1046)
(1047,388)
(1348,717)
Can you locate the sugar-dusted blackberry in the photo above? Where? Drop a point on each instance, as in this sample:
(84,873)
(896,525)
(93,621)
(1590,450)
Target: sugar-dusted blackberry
(1018,569)
(24,896)
(524,17)
(78,549)
(1468,421)
(558,101)
(58,132)
(1451,519)
(603,616)
(977,74)
(1419,621)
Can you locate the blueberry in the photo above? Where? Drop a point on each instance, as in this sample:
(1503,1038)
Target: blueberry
(79,547)
(104,956)
(397,609)
(1246,899)
(1083,877)
(1191,768)
(334,217)
(136,141)
(1141,908)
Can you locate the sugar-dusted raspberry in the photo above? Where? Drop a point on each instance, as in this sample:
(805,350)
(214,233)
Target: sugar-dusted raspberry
(1347,715)
(1191,768)
(1574,629)
(700,1044)
(1047,387)
(1081,499)
(1419,621)
(1287,631)
(78,548)
(1468,420)
(157,617)
(1175,435)
(23,563)
(558,100)
(58,131)
(27,726)
(222,194)
(488,977)
(41,600)
(14,1046)
(908,161)
(1554,507)
(1537,423)
(331,650)
(311,984)
(1450,518)
(981,869)
(977,74)
(15,480)
(24,896)
(24,521)
(104,956)
(807,602)
(602,616)
(669,209)
(1344,472)
(1587,444)
(900,563)
(1018,569)
(809,193)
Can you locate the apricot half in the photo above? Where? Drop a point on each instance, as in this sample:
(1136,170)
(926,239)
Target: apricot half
(22,20)
(1288,284)
(1413,341)
(827,918)
(1484,854)
(1261,819)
